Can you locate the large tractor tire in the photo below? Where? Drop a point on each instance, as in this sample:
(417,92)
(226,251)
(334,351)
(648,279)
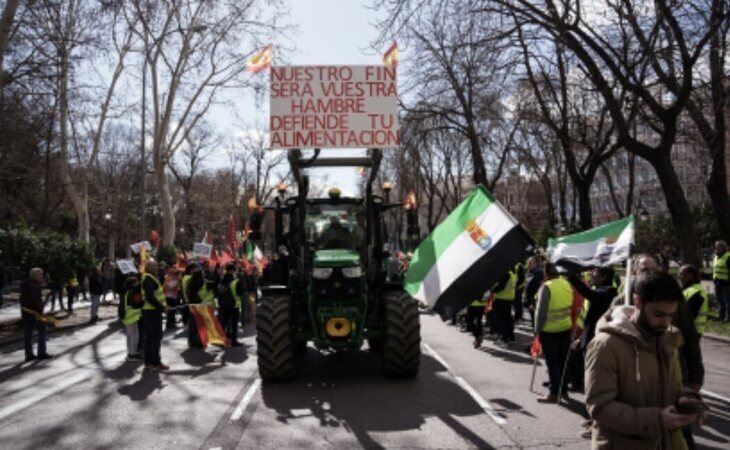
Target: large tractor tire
(274,339)
(402,345)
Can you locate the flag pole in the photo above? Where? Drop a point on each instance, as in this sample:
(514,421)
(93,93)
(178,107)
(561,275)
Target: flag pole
(534,371)
(627,282)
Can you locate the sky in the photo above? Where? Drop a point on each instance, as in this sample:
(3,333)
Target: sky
(329,32)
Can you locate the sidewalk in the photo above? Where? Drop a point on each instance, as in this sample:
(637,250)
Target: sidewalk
(11,330)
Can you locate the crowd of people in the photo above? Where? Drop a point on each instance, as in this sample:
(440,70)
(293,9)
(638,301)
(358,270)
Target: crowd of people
(596,342)
(639,362)
(149,301)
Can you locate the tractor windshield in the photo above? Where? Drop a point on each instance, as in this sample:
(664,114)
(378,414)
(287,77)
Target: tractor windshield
(335,226)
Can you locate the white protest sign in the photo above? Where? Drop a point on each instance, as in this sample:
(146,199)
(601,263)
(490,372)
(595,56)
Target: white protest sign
(136,247)
(333,107)
(202,250)
(126,266)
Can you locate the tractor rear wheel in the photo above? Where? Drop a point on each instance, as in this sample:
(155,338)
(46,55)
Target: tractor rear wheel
(274,338)
(402,345)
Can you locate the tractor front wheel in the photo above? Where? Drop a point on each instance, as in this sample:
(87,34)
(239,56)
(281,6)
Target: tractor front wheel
(274,338)
(402,345)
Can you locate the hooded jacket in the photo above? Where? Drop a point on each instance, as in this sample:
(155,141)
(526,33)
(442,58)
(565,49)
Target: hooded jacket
(630,376)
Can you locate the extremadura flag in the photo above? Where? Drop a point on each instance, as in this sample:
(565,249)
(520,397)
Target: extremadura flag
(605,245)
(466,254)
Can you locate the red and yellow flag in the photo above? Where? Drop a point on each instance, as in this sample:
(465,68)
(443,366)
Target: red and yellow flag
(52,321)
(390,58)
(210,330)
(261,60)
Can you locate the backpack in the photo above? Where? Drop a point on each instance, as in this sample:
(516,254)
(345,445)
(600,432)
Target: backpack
(134,298)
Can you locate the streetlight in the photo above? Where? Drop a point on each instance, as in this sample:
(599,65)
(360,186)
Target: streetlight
(387,187)
(109,241)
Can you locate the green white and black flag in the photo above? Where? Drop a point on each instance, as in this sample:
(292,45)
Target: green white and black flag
(466,254)
(605,245)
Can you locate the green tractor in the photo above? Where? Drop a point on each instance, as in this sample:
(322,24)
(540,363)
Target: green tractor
(329,284)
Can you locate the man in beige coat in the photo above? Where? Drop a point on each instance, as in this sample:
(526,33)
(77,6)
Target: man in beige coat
(633,374)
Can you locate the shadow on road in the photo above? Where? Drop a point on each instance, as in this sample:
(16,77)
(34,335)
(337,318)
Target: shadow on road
(147,383)
(349,390)
(715,433)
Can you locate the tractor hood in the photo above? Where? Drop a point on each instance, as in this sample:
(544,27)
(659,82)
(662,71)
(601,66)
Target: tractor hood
(336,258)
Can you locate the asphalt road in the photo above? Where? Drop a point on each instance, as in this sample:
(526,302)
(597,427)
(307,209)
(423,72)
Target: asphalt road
(89,397)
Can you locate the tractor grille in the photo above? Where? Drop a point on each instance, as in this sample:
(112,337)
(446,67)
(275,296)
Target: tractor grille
(336,287)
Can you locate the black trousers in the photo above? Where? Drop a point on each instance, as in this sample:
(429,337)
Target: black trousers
(555,347)
(153,336)
(228,317)
(503,321)
(474,316)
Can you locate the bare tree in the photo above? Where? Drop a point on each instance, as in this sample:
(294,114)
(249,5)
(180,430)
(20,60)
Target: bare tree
(6,25)
(187,165)
(75,30)
(576,115)
(193,49)
(460,66)
(648,49)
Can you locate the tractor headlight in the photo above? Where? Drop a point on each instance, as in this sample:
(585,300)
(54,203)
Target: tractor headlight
(352,272)
(321,273)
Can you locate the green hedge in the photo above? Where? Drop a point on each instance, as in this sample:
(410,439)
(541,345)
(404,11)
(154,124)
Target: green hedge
(22,249)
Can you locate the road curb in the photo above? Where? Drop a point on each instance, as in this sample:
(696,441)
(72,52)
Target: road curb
(716,337)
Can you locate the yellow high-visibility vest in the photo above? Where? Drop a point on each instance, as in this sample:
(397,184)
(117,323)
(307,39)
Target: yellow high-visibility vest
(581,321)
(239,300)
(207,297)
(131,315)
(719,267)
(561,302)
(701,319)
(159,294)
(185,282)
(508,293)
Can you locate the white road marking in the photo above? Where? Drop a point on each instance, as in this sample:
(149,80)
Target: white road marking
(467,387)
(238,413)
(480,401)
(713,395)
(42,395)
(436,356)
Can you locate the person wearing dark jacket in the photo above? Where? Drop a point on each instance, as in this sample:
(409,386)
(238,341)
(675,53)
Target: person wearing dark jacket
(533,281)
(597,300)
(96,290)
(154,306)
(31,304)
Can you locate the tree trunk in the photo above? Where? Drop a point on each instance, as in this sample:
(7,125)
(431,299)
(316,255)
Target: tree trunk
(480,173)
(79,200)
(679,208)
(6,23)
(585,212)
(717,190)
(168,215)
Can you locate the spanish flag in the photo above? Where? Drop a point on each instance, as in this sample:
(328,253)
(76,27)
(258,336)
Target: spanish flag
(261,60)
(210,330)
(390,58)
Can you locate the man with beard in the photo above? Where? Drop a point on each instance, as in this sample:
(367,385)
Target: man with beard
(634,390)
